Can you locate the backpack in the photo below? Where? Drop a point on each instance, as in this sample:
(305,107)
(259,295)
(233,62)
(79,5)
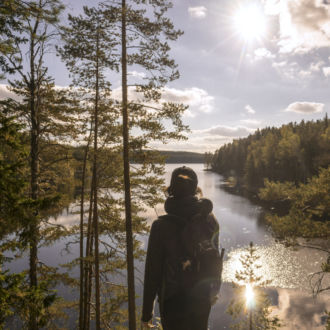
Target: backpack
(200,263)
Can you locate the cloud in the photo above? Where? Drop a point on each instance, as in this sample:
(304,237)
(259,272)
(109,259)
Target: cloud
(253,122)
(207,139)
(304,25)
(305,107)
(249,109)
(326,71)
(300,310)
(316,67)
(279,64)
(293,71)
(196,144)
(261,53)
(5,92)
(227,131)
(197,98)
(137,74)
(197,12)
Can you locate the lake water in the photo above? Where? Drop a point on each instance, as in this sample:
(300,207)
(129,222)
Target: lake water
(240,223)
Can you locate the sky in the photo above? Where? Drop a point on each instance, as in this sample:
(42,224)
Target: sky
(243,65)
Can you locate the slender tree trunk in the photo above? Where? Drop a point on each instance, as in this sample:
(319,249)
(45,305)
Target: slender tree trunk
(34,181)
(88,270)
(82,200)
(250,319)
(128,211)
(95,210)
(89,280)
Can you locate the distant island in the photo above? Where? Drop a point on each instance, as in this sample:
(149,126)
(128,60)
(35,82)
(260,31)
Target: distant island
(174,157)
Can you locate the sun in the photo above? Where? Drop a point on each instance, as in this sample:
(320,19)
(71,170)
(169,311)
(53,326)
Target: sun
(250,22)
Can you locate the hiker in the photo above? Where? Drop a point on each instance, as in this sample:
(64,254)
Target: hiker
(183,262)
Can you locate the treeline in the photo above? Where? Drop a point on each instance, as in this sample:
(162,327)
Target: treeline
(294,152)
(40,125)
(173,157)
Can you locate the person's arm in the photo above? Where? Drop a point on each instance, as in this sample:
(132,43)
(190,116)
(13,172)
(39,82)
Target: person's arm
(153,271)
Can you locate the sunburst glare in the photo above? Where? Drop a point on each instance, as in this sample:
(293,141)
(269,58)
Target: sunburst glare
(250,22)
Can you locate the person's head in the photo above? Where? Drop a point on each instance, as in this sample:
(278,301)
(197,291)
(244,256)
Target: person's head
(183,182)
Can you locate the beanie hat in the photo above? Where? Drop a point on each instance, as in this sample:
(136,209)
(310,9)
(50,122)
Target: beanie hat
(183,182)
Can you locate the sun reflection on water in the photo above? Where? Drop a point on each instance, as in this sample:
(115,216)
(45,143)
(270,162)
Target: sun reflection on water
(281,266)
(249,296)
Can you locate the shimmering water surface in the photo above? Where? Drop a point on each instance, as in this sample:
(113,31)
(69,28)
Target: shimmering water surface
(288,271)
(240,223)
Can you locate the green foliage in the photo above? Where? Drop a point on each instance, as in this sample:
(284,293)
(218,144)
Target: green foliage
(38,165)
(307,216)
(309,210)
(12,183)
(17,298)
(90,50)
(256,315)
(293,152)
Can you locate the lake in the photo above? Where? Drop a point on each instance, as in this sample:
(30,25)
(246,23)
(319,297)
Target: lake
(240,223)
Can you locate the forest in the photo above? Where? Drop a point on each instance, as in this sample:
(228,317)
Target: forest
(294,152)
(55,139)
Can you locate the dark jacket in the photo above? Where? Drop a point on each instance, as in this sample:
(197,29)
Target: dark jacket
(165,247)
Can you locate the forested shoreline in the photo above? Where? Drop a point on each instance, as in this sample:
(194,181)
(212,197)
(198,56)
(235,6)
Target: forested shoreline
(294,152)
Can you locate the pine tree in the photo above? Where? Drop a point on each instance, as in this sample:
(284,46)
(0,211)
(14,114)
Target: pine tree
(87,51)
(47,112)
(250,304)
(146,116)
(143,32)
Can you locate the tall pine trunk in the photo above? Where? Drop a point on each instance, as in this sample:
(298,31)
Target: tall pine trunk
(88,263)
(95,190)
(33,230)
(128,211)
(82,263)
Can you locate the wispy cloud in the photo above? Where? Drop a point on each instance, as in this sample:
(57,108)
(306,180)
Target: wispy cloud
(249,109)
(305,107)
(261,53)
(197,12)
(326,71)
(227,131)
(137,74)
